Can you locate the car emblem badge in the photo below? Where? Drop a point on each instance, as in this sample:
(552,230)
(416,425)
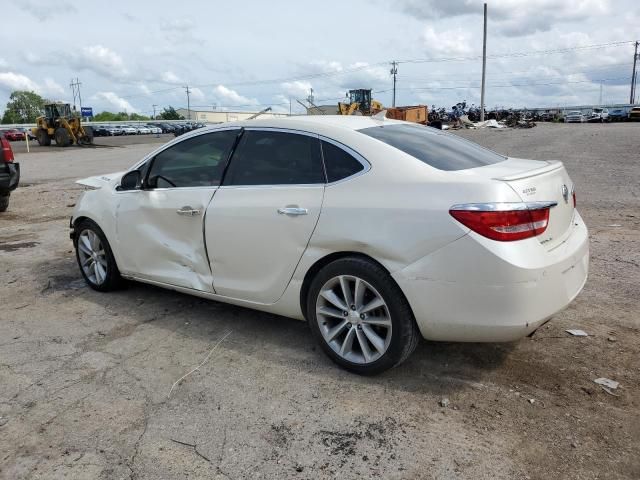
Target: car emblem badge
(565,193)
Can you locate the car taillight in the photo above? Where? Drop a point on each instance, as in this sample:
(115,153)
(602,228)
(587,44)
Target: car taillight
(7,153)
(504,222)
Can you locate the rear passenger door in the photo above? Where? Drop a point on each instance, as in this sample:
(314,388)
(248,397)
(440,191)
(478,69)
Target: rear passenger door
(259,223)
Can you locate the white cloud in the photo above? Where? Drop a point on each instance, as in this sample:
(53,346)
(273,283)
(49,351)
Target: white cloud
(178,24)
(170,77)
(226,96)
(120,104)
(179,30)
(353,75)
(450,42)
(144,89)
(511,17)
(51,87)
(43,10)
(196,94)
(297,88)
(15,81)
(99,59)
(10,81)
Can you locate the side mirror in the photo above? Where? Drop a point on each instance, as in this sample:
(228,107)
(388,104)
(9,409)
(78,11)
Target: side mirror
(130,181)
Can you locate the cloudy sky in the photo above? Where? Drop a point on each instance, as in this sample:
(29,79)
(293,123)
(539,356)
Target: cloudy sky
(251,54)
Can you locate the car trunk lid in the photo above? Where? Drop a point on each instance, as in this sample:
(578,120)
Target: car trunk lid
(545,182)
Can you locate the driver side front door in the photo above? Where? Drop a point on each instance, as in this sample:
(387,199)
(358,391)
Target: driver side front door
(160,226)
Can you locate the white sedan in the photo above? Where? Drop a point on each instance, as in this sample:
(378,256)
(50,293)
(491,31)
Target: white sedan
(375,231)
(128,130)
(142,129)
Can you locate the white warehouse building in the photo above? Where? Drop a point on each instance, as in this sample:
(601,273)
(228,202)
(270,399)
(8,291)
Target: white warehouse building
(219,116)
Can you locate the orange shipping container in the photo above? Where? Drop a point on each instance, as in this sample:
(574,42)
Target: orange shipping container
(414,113)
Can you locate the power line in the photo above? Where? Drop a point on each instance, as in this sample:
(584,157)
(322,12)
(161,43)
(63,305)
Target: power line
(519,54)
(503,74)
(513,85)
(332,73)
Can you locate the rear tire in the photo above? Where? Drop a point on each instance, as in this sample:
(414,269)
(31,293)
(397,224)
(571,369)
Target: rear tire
(4,202)
(63,139)
(360,337)
(95,258)
(44,140)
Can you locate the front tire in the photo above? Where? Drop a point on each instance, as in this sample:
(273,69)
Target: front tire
(95,258)
(360,316)
(63,139)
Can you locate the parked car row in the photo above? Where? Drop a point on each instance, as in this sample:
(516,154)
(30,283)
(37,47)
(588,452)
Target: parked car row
(144,129)
(114,130)
(601,115)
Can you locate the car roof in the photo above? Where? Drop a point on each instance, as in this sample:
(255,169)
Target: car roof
(311,123)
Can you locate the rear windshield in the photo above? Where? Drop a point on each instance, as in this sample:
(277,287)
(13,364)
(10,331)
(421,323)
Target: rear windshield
(434,147)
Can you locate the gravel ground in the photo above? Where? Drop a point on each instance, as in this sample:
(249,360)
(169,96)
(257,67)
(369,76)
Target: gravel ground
(86,377)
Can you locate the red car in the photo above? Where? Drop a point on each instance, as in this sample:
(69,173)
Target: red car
(13,135)
(9,173)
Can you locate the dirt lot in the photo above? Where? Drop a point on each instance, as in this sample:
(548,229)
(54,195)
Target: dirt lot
(86,377)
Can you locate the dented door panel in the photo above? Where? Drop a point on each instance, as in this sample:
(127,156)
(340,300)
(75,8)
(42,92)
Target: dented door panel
(165,241)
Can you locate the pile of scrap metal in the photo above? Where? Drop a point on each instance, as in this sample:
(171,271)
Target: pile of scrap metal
(518,120)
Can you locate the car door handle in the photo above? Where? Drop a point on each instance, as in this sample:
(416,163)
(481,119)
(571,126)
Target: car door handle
(189,211)
(293,211)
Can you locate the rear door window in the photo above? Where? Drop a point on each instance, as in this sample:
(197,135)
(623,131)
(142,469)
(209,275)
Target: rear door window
(339,163)
(438,149)
(265,157)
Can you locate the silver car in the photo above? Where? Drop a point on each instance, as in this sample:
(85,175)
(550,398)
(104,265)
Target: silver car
(574,116)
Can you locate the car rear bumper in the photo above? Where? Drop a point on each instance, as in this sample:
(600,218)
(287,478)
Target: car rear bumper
(470,293)
(9,177)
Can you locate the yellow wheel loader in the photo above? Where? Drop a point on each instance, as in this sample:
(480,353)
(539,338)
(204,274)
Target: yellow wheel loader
(59,123)
(360,103)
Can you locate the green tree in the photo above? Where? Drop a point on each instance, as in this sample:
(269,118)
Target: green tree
(170,114)
(23,107)
(117,117)
(110,117)
(137,116)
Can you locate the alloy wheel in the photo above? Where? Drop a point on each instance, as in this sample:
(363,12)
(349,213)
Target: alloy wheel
(93,259)
(353,319)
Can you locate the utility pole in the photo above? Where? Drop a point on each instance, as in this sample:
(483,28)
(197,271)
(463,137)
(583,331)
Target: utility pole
(394,72)
(154,111)
(634,76)
(484,64)
(75,89)
(600,94)
(186,87)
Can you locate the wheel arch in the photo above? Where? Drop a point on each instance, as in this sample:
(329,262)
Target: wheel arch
(74,235)
(326,260)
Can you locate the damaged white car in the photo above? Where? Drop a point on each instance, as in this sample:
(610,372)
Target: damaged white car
(377,232)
